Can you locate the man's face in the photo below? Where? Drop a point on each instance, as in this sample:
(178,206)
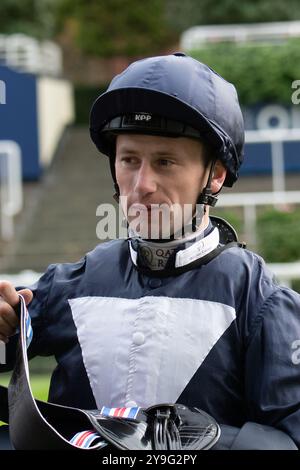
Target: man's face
(165,172)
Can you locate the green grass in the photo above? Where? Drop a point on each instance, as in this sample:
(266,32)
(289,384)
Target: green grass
(39,385)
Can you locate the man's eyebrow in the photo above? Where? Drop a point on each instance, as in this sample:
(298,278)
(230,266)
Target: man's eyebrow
(127,150)
(160,153)
(165,153)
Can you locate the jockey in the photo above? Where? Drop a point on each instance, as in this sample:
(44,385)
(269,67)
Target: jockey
(178,311)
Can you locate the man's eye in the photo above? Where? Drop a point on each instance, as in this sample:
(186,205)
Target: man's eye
(128,160)
(165,162)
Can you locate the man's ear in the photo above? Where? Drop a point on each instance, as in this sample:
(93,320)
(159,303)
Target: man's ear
(218,177)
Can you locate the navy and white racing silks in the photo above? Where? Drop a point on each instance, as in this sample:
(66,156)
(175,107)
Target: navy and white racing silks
(223,337)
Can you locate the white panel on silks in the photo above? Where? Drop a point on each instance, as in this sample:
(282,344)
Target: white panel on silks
(145,351)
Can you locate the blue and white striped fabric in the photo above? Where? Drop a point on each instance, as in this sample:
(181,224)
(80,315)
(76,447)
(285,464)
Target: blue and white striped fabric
(120,412)
(29,331)
(87,439)
(27,319)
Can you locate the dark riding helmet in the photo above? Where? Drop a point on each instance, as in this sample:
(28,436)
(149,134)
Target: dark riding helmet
(173,95)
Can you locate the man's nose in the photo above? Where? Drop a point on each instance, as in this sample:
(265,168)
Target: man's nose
(145,180)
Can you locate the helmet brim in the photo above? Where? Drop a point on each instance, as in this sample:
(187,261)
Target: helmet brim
(137,99)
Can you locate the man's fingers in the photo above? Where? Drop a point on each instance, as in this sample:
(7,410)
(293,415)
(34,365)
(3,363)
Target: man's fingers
(8,324)
(6,330)
(27,294)
(9,302)
(8,315)
(9,293)
(11,296)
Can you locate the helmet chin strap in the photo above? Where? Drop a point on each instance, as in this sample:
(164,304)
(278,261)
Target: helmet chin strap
(207,197)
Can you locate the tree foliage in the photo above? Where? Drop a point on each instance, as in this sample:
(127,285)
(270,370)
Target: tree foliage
(133,27)
(116,27)
(261,72)
(184,14)
(33,17)
(278,234)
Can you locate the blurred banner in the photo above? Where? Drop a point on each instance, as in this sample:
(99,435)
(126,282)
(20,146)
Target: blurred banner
(279,121)
(36,107)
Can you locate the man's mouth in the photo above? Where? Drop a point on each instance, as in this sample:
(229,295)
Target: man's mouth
(149,205)
(143,208)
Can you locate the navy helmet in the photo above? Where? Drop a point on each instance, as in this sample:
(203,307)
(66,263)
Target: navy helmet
(172,95)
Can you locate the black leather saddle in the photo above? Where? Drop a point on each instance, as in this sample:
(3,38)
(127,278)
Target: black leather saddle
(35,424)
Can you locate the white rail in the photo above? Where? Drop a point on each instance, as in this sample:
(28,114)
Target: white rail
(259,199)
(11,190)
(249,202)
(30,55)
(286,272)
(196,36)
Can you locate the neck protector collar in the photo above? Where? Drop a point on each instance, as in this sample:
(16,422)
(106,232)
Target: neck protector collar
(174,254)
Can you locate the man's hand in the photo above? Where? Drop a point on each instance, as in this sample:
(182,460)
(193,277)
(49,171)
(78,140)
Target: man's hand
(9,301)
